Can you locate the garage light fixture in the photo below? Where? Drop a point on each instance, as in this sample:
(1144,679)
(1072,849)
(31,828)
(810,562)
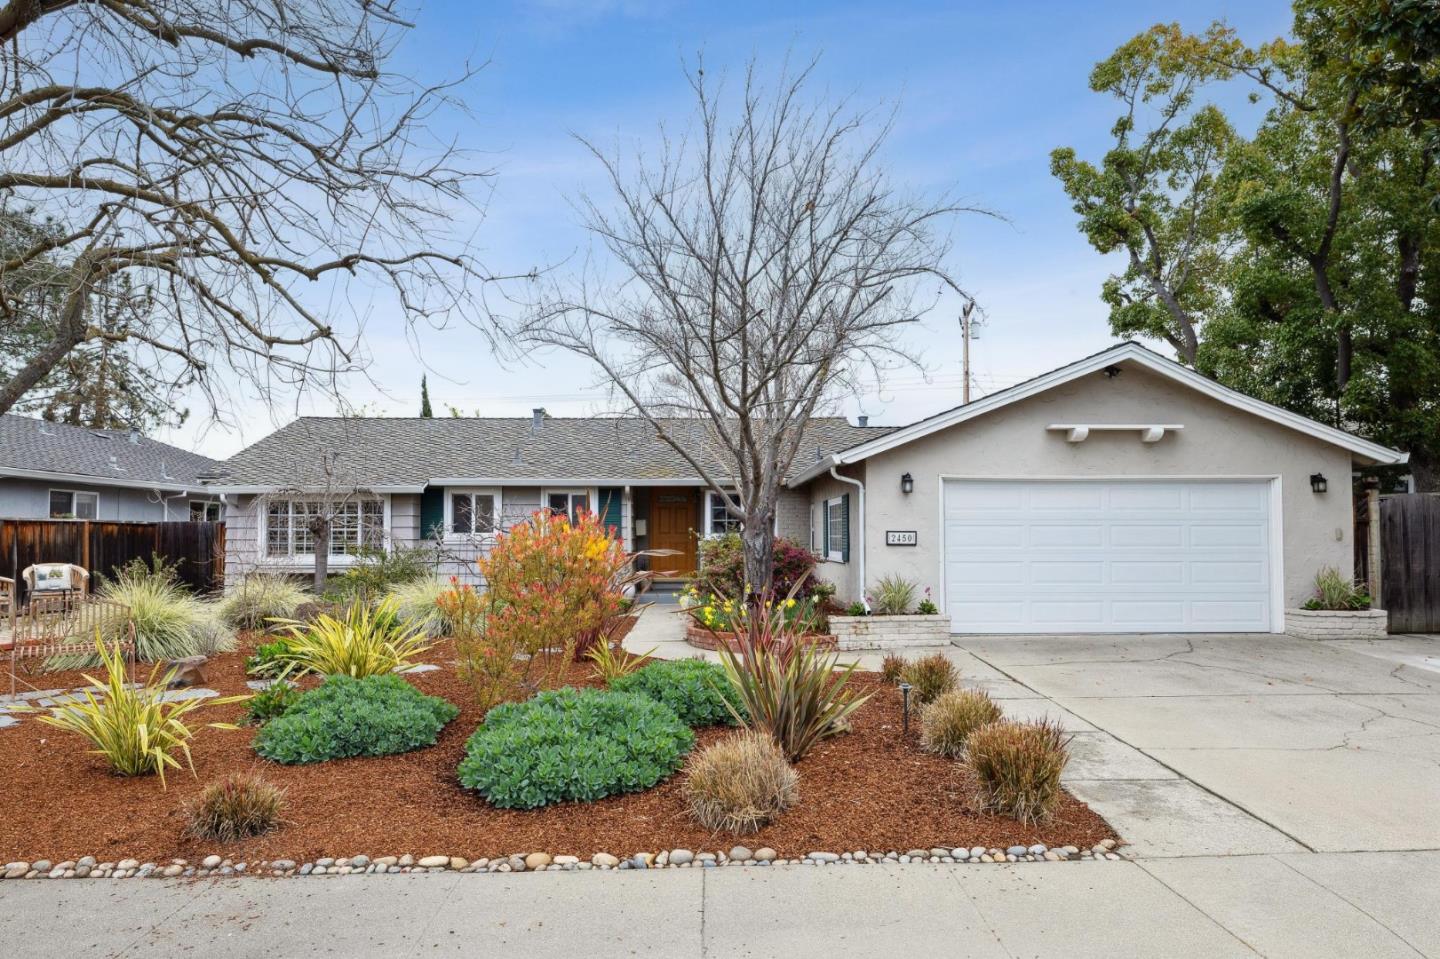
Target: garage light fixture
(907,484)
(1318,483)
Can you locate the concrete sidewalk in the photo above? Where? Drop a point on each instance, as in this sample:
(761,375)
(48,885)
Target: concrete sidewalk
(1304,906)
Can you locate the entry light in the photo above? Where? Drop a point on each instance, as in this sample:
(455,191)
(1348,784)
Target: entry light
(1318,483)
(907,484)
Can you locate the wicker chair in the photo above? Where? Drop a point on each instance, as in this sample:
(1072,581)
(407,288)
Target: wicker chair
(57,622)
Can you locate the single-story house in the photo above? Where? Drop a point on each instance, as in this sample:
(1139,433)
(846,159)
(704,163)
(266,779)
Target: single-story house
(56,471)
(1121,493)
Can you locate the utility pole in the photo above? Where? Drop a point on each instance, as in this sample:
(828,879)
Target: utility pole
(965,339)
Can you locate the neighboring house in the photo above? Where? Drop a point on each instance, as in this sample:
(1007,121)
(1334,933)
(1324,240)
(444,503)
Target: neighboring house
(1121,493)
(54,471)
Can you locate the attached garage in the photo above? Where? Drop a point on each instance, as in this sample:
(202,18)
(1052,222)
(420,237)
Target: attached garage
(1109,556)
(1123,493)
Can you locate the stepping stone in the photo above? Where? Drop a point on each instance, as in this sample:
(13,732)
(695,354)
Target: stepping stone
(421,668)
(179,695)
(7,721)
(260,685)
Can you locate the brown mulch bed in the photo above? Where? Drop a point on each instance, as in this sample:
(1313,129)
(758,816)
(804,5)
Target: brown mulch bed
(870,789)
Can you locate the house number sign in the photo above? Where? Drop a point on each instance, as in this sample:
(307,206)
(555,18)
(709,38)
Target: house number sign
(901,537)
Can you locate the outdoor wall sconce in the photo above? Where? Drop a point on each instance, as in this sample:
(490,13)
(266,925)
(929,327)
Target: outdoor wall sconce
(1318,483)
(905,721)
(907,484)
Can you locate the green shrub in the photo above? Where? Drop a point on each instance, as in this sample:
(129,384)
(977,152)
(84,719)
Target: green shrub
(1019,766)
(270,702)
(722,566)
(695,689)
(170,622)
(569,745)
(376,572)
(367,641)
(894,596)
(856,608)
(947,723)
(267,660)
(373,716)
(930,677)
(237,807)
(740,783)
(259,598)
(417,604)
(1334,591)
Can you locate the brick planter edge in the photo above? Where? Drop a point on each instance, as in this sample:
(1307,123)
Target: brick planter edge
(1336,623)
(890,632)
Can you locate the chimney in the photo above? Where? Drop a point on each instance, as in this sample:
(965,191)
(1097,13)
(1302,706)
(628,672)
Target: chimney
(862,420)
(135,434)
(537,419)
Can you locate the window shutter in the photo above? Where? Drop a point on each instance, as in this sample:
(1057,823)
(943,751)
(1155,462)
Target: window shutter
(845,511)
(432,512)
(610,497)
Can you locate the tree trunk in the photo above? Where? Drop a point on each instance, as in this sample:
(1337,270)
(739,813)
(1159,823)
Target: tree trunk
(321,529)
(1425,469)
(758,540)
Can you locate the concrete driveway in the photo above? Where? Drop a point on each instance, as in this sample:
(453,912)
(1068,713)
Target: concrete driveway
(1205,745)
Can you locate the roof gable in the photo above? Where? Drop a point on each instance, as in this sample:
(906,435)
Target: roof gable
(1123,352)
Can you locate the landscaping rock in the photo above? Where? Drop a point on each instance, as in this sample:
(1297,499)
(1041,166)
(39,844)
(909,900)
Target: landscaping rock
(680,857)
(189,671)
(42,865)
(604,859)
(741,853)
(406,860)
(765,854)
(211,862)
(359,862)
(171,871)
(128,864)
(281,865)
(458,862)
(386,861)
(537,860)
(431,862)
(567,860)
(823,857)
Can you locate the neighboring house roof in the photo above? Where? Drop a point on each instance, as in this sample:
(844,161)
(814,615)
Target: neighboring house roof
(38,449)
(405,454)
(1361,449)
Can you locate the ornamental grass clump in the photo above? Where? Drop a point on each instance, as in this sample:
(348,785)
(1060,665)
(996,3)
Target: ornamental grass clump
(609,661)
(894,596)
(260,598)
(892,666)
(237,807)
(787,688)
(346,717)
(418,604)
(1018,766)
(136,729)
(698,691)
(740,784)
(366,641)
(930,677)
(1334,591)
(571,745)
(947,723)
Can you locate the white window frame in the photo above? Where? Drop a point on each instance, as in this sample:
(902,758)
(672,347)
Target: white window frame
(291,558)
(472,491)
(832,555)
(206,505)
(710,503)
(591,494)
(74,493)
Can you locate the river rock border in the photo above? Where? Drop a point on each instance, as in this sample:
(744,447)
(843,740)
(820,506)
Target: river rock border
(87,867)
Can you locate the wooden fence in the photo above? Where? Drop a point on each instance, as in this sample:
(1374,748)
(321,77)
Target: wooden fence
(197,549)
(1410,561)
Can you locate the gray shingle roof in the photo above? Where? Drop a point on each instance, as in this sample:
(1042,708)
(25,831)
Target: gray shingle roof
(35,445)
(412,451)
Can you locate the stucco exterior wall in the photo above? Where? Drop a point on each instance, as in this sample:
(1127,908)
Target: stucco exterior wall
(846,575)
(23,498)
(1217,441)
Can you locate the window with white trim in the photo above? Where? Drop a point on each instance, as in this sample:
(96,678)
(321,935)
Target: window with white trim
(472,512)
(74,504)
(720,520)
(356,525)
(204,511)
(837,529)
(570,503)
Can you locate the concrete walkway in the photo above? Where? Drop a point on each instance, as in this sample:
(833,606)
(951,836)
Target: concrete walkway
(1303,906)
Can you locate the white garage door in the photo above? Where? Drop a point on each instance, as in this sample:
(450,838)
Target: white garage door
(1107,557)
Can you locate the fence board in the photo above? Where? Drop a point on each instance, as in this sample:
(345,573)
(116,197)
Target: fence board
(1410,561)
(197,549)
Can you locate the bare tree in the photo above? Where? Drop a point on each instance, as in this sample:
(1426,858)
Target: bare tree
(329,512)
(762,267)
(248,165)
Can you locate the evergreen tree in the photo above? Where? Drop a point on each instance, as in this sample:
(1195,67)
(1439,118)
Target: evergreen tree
(425,410)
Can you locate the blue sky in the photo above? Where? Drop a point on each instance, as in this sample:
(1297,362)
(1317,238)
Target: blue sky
(984,92)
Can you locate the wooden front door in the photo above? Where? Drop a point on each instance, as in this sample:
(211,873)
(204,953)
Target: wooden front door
(672,526)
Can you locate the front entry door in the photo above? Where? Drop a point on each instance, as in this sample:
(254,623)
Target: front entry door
(672,526)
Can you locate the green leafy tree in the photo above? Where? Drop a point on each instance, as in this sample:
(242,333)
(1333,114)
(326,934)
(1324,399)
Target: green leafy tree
(425,409)
(1315,273)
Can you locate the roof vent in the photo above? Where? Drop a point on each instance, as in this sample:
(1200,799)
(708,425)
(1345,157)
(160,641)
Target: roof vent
(517,459)
(862,420)
(537,419)
(115,464)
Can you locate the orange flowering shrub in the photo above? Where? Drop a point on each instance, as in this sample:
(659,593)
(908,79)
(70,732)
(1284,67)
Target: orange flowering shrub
(550,584)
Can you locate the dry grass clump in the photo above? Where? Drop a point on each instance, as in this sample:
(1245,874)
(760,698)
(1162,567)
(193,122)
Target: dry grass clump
(237,807)
(1019,766)
(740,783)
(259,598)
(947,723)
(930,677)
(892,666)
